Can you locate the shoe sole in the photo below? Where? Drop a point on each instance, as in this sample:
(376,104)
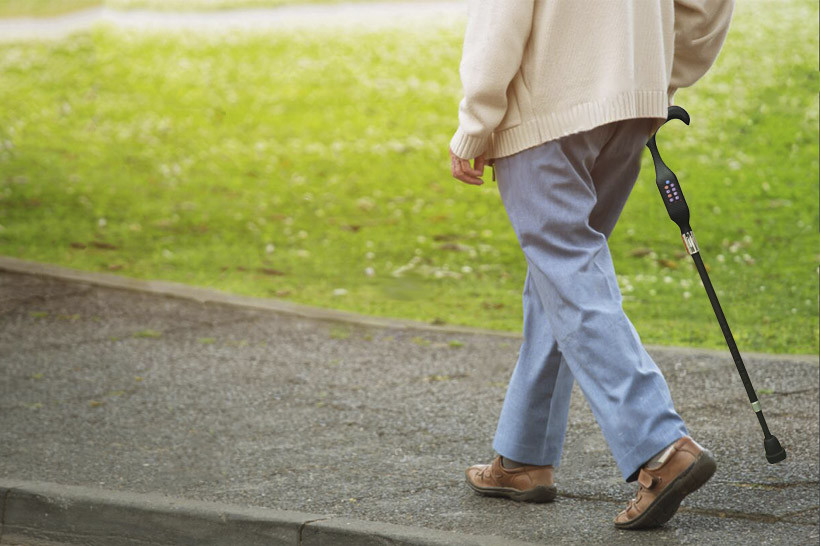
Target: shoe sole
(664,507)
(540,493)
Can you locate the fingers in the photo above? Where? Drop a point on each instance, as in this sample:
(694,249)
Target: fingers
(462,170)
(479,163)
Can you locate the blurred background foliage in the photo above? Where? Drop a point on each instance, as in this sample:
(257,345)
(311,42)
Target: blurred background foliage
(313,166)
(42,8)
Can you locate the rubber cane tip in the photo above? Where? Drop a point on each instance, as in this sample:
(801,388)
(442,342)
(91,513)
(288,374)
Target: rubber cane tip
(774,451)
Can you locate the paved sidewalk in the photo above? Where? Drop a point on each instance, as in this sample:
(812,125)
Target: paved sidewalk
(135,392)
(328,17)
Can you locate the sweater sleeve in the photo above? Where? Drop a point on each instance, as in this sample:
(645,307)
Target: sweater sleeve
(700,29)
(494,42)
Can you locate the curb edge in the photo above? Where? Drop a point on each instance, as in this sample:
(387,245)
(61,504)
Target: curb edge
(210,295)
(80,514)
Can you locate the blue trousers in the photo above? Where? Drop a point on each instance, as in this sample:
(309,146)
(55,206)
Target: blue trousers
(563,199)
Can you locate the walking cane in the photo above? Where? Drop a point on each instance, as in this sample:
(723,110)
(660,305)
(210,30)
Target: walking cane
(679,213)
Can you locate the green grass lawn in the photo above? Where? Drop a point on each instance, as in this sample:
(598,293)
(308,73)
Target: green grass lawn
(313,167)
(43,8)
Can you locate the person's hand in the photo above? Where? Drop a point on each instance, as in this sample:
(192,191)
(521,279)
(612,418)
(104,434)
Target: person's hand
(463,171)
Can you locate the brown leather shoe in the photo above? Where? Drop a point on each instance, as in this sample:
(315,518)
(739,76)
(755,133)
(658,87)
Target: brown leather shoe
(528,483)
(661,490)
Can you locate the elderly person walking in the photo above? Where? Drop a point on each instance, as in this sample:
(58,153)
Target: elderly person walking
(561,97)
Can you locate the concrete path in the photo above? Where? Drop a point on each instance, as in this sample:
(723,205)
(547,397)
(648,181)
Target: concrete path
(134,393)
(309,16)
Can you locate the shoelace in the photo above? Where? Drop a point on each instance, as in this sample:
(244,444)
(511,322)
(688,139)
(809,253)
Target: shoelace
(484,472)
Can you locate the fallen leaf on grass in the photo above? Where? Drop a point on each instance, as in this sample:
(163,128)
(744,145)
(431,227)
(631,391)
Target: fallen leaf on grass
(669,264)
(366,204)
(491,305)
(77,245)
(103,245)
(270,271)
(351,227)
(642,251)
(455,247)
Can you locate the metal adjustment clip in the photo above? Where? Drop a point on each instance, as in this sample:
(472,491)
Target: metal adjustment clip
(690,242)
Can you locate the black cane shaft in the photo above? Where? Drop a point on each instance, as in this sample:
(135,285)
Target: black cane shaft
(678,210)
(727,333)
(763,424)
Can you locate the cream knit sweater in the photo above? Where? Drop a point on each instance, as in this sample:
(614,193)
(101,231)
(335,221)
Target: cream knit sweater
(537,70)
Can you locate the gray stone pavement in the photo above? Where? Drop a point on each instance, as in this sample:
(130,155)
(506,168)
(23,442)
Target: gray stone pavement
(135,392)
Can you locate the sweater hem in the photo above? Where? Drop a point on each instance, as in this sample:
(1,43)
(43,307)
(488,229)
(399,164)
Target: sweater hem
(576,119)
(467,146)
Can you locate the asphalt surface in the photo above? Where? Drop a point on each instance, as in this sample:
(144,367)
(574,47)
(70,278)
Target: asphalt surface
(129,391)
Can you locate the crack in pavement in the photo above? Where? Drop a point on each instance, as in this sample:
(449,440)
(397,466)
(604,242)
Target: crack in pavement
(731,514)
(789,393)
(758,485)
(306,523)
(799,512)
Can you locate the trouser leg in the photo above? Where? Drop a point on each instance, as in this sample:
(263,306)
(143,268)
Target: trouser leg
(533,418)
(551,198)
(533,421)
